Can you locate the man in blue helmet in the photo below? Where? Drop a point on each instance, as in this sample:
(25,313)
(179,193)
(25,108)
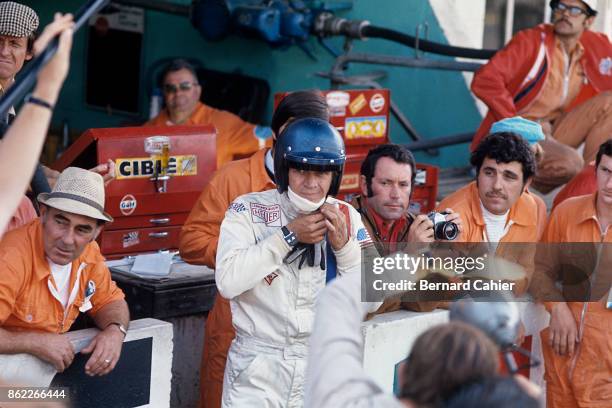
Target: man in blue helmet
(276,251)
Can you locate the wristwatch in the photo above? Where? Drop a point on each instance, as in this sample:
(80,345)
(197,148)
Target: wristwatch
(121,327)
(290,237)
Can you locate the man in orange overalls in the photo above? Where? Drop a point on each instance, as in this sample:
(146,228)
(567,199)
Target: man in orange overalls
(200,234)
(235,137)
(577,345)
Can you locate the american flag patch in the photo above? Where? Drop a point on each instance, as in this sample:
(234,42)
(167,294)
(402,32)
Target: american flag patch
(364,238)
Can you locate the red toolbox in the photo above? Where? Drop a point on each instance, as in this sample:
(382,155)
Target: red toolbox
(145,218)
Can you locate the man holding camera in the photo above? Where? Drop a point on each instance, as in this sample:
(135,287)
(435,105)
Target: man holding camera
(497,207)
(386,180)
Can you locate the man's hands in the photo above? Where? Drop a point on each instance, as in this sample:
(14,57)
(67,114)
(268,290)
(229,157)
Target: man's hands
(336,226)
(563,331)
(55,349)
(454,217)
(106,170)
(106,348)
(311,228)
(52,75)
(421,230)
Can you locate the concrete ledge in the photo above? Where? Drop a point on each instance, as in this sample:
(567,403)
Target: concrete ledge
(389,337)
(27,370)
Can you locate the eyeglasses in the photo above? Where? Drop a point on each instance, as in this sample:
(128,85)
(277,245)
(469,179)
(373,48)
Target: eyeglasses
(183,86)
(572,10)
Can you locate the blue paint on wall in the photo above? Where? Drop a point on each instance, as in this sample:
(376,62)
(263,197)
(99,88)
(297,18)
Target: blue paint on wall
(437,102)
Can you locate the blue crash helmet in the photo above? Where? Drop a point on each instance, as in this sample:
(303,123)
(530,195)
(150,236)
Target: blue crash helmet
(309,144)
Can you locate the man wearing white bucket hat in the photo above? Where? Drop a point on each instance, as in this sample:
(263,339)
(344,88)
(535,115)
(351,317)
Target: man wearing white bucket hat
(52,269)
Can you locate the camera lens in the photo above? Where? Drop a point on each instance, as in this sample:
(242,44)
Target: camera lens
(449,230)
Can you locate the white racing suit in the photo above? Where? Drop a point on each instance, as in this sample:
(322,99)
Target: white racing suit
(272,302)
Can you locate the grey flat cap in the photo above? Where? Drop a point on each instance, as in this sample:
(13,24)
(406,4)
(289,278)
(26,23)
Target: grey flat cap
(17,20)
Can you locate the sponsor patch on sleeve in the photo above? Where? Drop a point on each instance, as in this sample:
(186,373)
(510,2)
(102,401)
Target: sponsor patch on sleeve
(237,207)
(268,279)
(266,214)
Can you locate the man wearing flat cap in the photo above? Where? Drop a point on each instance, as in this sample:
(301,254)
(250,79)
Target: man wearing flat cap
(52,269)
(18,24)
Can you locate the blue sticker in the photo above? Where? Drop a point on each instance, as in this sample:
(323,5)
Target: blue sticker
(91,289)
(262,132)
(237,207)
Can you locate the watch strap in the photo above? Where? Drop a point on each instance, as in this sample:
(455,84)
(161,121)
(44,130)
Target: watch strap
(121,327)
(290,237)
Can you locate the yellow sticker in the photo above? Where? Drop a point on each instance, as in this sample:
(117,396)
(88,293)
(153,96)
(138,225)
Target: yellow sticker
(143,167)
(365,128)
(349,182)
(358,104)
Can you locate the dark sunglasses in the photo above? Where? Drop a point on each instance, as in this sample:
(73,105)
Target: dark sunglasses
(183,86)
(573,10)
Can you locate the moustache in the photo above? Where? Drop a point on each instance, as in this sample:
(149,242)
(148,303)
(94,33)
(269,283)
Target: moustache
(563,19)
(494,194)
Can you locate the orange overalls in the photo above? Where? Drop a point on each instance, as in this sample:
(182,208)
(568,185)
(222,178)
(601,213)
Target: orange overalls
(583,379)
(235,138)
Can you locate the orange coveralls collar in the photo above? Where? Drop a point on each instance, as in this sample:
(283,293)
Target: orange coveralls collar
(523,213)
(512,79)
(26,298)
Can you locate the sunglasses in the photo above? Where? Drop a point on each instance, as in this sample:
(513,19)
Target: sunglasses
(572,10)
(183,86)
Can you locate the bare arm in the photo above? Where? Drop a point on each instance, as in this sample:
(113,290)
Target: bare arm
(105,348)
(23,141)
(56,349)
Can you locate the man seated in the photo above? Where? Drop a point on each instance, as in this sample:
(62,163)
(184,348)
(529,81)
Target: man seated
(583,183)
(52,269)
(386,180)
(235,137)
(276,251)
(559,74)
(497,208)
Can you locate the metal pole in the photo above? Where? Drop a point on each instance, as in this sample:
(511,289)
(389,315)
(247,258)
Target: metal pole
(509,21)
(162,6)
(29,73)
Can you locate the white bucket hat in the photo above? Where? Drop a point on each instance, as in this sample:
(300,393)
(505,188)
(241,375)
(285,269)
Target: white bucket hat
(591,3)
(78,191)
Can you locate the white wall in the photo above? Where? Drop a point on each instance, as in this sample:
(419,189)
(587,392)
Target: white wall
(464,27)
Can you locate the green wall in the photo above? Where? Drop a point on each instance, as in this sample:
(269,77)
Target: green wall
(437,102)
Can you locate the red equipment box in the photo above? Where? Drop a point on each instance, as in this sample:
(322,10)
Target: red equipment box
(362,117)
(146,219)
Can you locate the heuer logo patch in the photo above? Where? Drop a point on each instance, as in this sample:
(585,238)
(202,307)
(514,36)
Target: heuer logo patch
(266,214)
(270,278)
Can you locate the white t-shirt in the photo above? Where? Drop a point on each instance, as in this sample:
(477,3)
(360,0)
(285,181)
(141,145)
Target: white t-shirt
(495,225)
(61,276)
